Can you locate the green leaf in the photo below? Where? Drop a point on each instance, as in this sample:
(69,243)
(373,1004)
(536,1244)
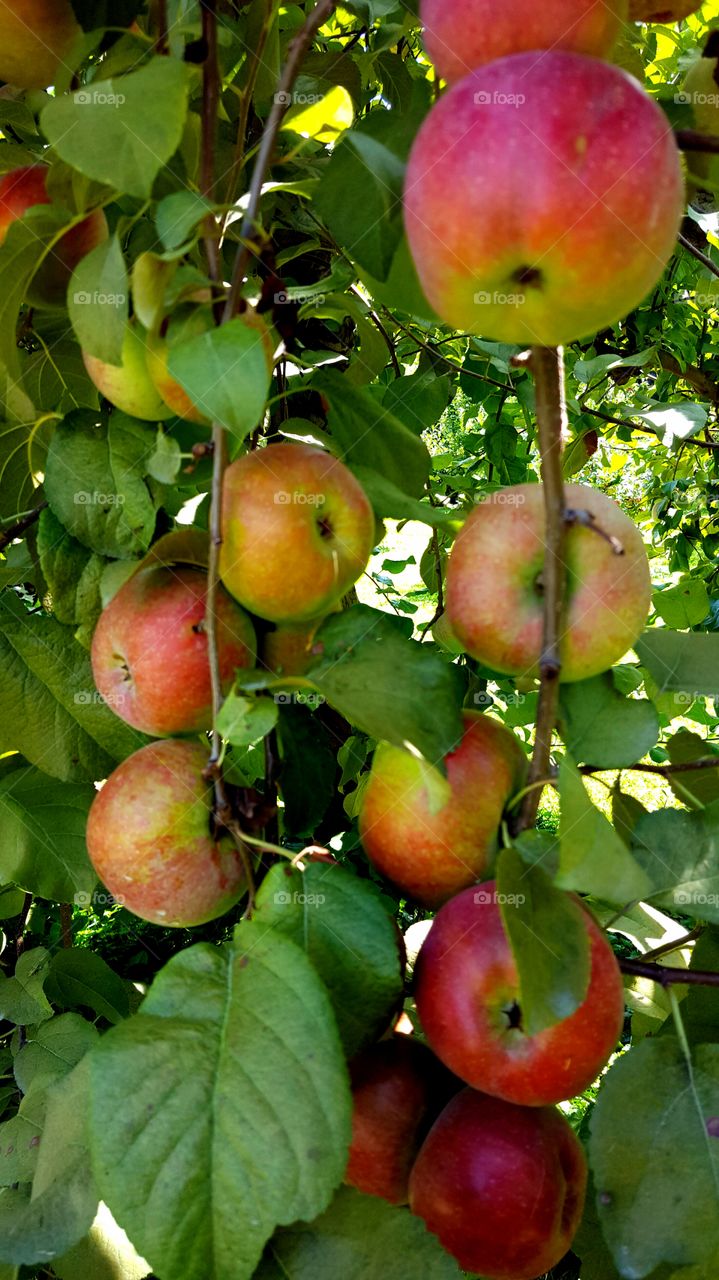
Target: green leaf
(603,728)
(593,858)
(80,979)
(549,939)
(682,606)
(73,575)
(177,216)
(347,933)
(655,1156)
(95,482)
(360,195)
(225,373)
(369,435)
(357,1238)
(390,687)
(22,999)
(11,902)
(309,767)
(19,1141)
(388,500)
(419,399)
(675,422)
(42,835)
(680,852)
(244,720)
(22,252)
(105,1253)
(98,301)
(700,1008)
(121,132)
(18,490)
(48,701)
(52,1050)
(681,661)
(165,461)
(701,787)
(250,1125)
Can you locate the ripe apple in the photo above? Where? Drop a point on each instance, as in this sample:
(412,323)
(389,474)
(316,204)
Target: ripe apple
(149,650)
(287,651)
(662,10)
(701,88)
(461,35)
(543,198)
(429,852)
(398,1090)
(129,386)
(150,839)
(298,530)
(502,1186)
(22,189)
(467,993)
(186,323)
(494,583)
(36,37)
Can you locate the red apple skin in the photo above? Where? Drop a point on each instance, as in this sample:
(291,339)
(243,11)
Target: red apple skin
(149,838)
(430,855)
(298,530)
(543,198)
(398,1090)
(36,37)
(467,993)
(494,601)
(149,650)
(20,190)
(502,1186)
(461,35)
(656,11)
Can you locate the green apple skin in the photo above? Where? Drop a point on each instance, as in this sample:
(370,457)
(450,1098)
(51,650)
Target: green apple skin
(22,189)
(543,198)
(398,1090)
(150,841)
(495,603)
(149,650)
(461,35)
(443,635)
(432,855)
(128,386)
(298,530)
(36,37)
(503,1187)
(701,87)
(468,1000)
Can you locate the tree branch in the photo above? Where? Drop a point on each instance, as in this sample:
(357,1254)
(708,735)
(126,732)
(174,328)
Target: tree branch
(20,526)
(697,253)
(664,770)
(547,366)
(668,975)
(693,140)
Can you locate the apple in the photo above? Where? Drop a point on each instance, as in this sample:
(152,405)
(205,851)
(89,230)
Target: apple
(662,10)
(149,650)
(494,583)
(503,1187)
(431,852)
(443,635)
(461,35)
(186,323)
(543,198)
(398,1090)
(36,39)
(128,386)
(22,189)
(468,1001)
(701,89)
(287,650)
(150,838)
(297,531)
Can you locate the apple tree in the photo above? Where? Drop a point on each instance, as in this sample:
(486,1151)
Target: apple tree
(359,712)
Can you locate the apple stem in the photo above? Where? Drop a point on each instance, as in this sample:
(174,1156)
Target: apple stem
(547,366)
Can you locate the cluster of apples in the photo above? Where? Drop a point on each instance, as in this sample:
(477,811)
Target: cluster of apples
(544,191)
(298,530)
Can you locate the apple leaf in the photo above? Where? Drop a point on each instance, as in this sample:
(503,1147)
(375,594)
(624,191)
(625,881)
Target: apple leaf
(700,1008)
(21,255)
(655,1156)
(308,756)
(389,500)
(73,574)
(105,1253)
(593,858)
(680,661)
(549,940)
(20,1141)
(347,933)
(693,789)
(81,979)
(222,1109)
(244,720)
(49,704)
(22,998)
(680,854)
(106,131)
(603,728)
(684,605)
(358,1237)
(52,1050)
(225,373)
(98,301)
(177,215)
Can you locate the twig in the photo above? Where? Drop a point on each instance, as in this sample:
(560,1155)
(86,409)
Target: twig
(161,43)
(667,948)
(66,925)
(635,426)
(664,770)
(668,975)
(210,98)
(693,140)
(283,97)
(21,526)
(697,253)
(548,368)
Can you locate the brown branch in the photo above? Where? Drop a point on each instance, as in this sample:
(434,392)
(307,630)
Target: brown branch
(161,43)
(20,526)
(668,975)
(547,365)
(295,54)
(664,770)
(667,948)
(647,431)
(697,253)
(210,99)
(66,925)
(693,140)
(692,375)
